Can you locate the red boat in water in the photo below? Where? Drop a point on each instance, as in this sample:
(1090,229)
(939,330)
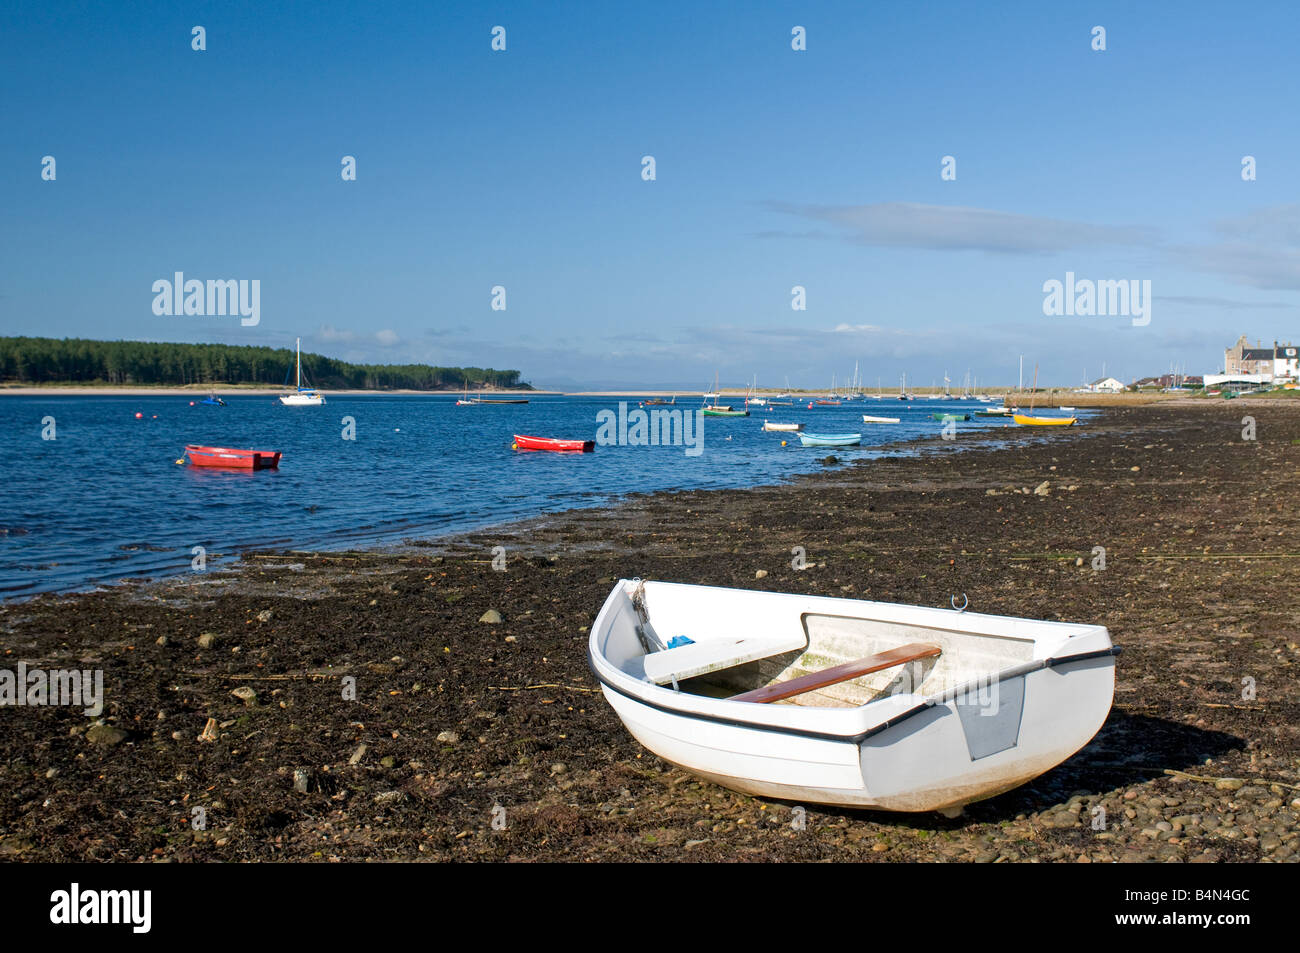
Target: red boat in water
(233,459)
(550,443)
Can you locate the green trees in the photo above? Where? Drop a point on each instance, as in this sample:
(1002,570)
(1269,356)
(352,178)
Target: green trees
(79,361)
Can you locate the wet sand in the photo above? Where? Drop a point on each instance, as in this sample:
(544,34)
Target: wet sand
(458,723)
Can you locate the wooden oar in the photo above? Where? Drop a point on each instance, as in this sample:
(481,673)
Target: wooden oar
(841,673)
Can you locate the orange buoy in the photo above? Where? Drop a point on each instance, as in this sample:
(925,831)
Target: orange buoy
(139,416)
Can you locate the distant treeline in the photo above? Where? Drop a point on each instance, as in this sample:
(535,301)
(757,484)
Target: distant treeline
(79,361)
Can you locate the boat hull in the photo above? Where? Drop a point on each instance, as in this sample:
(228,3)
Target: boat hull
(1043,421)
(784,428)
(302,400)
(523,442)
(923,764)
(229,459)
(830,439)
(899,752)
(712,412)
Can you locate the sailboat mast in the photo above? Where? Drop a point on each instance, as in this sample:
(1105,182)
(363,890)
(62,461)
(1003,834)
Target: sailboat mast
(299,363)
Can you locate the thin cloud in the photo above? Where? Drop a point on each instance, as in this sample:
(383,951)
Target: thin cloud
(958,228)
(1273,224)
(1255,266)
(1209,301)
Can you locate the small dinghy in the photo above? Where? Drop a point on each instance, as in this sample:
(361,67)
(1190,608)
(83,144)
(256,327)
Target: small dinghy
(868,419)
(523,442)
(1027,420)
(949,418)
(848,702)
(232,459)
(769,425)
(830,439)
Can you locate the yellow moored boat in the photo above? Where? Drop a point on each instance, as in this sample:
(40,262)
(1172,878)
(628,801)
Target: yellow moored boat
(1043,421)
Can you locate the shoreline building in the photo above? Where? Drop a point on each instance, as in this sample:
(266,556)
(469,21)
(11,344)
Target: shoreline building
(1105,385)
(1281,361)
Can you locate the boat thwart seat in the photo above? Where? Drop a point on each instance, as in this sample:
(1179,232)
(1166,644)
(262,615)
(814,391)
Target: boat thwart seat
(700,658)
(840,673)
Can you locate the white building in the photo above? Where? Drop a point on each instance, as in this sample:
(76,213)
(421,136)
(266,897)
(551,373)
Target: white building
(1279,362)
(1106,385)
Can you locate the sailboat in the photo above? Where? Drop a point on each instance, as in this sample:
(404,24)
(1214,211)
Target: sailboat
(302,396)
(1032,421)
(718,410)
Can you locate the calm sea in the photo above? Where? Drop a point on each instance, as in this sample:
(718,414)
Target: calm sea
(105,498)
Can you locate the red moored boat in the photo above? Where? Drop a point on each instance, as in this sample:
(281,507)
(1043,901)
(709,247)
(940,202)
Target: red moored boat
(235,459)
(550,443)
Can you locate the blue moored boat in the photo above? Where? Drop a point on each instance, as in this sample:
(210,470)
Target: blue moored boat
(830,439)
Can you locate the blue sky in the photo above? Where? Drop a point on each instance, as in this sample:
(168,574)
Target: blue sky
(775,168)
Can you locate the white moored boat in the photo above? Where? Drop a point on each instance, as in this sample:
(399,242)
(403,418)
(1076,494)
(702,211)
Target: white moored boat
(772,425)
(302,396)
(868,419)
(848,702)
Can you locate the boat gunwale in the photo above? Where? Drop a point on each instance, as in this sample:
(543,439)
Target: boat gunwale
(858,737)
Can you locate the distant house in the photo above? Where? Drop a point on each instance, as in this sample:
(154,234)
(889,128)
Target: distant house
(1279,362)
(1169,381)
(1106,385)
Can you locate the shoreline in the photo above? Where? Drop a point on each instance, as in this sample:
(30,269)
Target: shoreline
(225,390)
(453,715)
(397,543)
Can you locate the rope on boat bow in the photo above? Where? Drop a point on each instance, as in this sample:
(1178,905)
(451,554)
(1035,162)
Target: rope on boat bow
(638,600)
(643,615)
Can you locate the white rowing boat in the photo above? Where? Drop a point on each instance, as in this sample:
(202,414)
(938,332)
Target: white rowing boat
(868,419)
(848,702)
(768,425)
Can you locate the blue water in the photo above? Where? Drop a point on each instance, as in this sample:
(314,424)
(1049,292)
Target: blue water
(105,499)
